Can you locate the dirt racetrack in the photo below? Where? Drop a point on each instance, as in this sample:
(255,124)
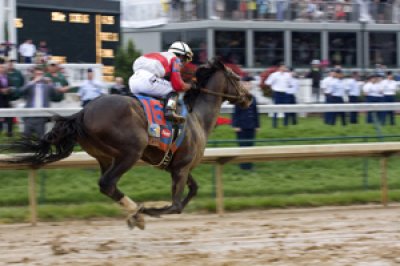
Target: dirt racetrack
(357,235)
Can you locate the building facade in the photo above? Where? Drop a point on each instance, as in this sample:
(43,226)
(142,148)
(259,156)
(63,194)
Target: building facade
(356,41)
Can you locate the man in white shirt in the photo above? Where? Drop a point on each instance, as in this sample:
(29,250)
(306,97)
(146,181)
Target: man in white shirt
(354,92)
(27,51)
(279,82)
(374,94)
(291,97)
(90,89)
(389,86)
(326,87)
(337,93)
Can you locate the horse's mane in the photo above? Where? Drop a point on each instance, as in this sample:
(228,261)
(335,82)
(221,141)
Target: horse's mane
(203,75)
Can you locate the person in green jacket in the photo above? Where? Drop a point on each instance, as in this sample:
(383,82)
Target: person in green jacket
(15,81)
(15,77)
(58,79)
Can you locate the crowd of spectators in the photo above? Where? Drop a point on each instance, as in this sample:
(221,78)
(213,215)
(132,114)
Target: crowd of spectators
(379,11)
(30,53)
(332,85)
(44,83)
(377,87)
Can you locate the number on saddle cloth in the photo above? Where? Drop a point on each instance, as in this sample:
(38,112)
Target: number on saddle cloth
(163,133)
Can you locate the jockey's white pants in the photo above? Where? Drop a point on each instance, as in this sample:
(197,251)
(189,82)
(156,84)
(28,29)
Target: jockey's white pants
(143,81)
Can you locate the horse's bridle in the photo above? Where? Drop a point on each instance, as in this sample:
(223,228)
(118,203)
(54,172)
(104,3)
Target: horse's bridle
(229,77)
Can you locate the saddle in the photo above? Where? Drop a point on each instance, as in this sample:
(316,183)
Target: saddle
(163,134)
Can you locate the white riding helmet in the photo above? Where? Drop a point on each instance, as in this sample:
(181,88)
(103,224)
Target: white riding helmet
(182,49)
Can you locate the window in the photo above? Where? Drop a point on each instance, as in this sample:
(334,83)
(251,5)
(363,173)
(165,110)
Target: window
(342,49)
(197,40)
(231,46)
(169,37)
(268,48)
(306,46)
(382,49)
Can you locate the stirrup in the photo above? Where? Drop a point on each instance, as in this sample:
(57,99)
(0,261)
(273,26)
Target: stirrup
(172,116)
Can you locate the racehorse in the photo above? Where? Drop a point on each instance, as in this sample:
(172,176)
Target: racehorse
(113,129)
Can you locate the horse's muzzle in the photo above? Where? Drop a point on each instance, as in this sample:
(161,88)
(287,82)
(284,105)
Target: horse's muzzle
(246,100)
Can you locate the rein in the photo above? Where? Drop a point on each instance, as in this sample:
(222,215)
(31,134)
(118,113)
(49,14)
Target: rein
(225,95)
(220,94)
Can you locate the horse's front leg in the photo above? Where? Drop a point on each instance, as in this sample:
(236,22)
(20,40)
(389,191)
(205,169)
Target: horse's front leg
(193,187)
(179,179)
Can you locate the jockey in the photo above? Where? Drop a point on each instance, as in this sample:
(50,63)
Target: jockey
(158,74)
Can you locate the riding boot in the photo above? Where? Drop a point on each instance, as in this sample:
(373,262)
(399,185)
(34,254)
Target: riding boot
(170,109)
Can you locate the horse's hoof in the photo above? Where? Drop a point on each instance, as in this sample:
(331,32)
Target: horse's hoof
(151,212)
(136,220)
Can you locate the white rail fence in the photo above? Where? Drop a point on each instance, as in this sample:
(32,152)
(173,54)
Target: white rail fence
(221,156)
(226,109)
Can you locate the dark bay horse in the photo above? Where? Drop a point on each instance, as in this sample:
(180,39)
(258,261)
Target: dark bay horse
(113,129)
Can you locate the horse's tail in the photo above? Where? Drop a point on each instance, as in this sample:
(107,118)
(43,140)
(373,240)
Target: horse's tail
(53,146)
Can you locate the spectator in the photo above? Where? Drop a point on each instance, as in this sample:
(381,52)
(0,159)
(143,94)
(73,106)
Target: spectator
(364,6)
(374,94)
(43,52)
(245,123)
(252,9)
(15,77)
(5,49)
(5,93)
(327,90)
(291,97)
(279,82)
(381,4)
(271,11)
(27,51)
(315,74)
(219,7)
(380,70)
(389,96)
(281,6)
(337,93)
(90,89)
(38,94)
(120,88)
(262,8)
(354,92)
(57,78)
(396,11)
(188,7)
(2,51)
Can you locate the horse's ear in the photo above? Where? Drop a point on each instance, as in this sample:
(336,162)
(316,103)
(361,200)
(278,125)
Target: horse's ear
(217,63)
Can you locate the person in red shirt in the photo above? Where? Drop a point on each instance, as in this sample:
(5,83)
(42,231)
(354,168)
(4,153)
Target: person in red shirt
(159,75)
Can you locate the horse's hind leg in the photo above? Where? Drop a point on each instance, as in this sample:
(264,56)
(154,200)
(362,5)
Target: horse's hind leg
(179,179)
(108,186)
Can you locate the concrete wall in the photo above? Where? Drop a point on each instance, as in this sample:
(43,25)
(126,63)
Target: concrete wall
(145,42)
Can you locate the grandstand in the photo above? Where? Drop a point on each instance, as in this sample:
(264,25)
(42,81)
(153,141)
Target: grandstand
(338,33)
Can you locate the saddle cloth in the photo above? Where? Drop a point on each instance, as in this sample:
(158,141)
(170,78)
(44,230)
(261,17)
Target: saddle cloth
(163,134)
